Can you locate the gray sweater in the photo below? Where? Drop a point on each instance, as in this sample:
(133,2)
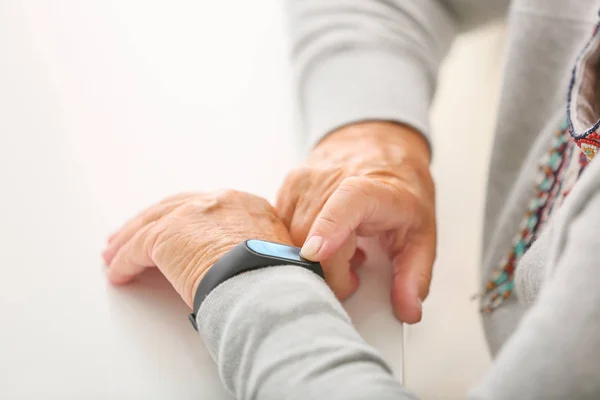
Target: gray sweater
(279,333)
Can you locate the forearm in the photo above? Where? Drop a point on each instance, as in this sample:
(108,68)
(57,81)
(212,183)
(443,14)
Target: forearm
(279,333)
(373,60)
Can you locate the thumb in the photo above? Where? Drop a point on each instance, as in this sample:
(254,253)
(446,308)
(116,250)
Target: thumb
(341,214)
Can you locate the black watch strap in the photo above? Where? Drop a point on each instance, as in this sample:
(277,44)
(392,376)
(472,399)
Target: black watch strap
(247,256)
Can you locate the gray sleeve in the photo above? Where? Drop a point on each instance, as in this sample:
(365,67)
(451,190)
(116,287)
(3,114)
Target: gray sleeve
(280,333)
(357,60)
(555,352)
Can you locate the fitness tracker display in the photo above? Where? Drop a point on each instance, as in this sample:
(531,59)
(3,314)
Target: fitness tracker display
(247,256)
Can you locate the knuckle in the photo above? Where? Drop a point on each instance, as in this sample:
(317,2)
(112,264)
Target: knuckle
(328,222)
(424,291)
(176,197)
(425,277)
(191,207)
(353,181)
(199,205)
(424,280)
(226,194)
(356,185)
(244,199)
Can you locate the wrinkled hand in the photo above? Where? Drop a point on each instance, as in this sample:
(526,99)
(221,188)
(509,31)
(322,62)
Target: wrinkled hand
(368,179)
(185,235)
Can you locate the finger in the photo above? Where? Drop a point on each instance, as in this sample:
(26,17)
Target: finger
(358,202)
(130,228)
(412,271)
(358,259)
(339,274)
(133,257)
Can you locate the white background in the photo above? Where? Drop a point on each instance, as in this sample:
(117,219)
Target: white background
(108,106)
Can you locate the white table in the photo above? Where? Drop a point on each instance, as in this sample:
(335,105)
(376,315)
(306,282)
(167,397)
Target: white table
(105,107)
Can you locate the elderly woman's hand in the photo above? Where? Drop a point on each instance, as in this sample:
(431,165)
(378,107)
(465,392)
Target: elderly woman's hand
(186,234)
(368,179)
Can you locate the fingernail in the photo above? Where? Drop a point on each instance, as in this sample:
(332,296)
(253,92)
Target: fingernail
(311,247)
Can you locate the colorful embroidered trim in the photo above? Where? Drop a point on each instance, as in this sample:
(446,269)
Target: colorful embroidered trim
(558,172)
(589,144)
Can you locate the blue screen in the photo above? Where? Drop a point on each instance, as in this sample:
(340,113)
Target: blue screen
(275,250)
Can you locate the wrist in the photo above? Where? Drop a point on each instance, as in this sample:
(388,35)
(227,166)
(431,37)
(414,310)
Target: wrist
(197,274)
(199,270)
(377,140)
(247,256)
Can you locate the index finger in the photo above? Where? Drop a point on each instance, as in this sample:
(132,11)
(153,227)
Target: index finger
(359,204)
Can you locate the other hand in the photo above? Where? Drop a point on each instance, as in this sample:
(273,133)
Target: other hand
(367,179)
(185,235)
